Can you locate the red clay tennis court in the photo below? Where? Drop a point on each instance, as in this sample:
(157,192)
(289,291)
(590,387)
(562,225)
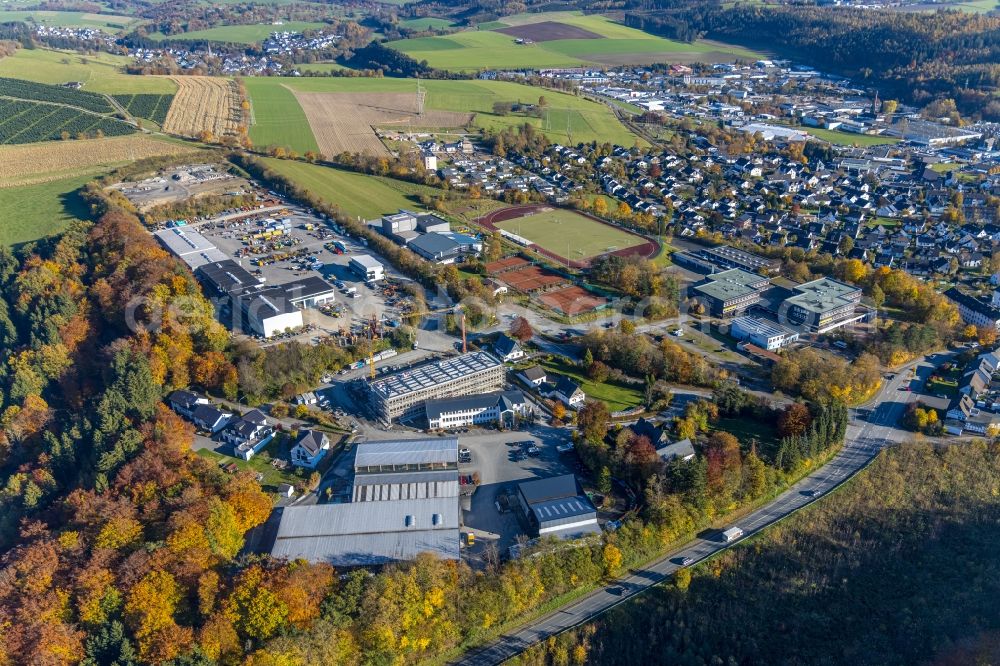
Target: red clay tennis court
(531,279)
(504,265)
(572,301)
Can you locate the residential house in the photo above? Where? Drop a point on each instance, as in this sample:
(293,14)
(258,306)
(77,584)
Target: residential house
(249,434)
(568,392)
(209,418)
(533,376)
(310,448)
(507,349)
(184,402)
(681,450)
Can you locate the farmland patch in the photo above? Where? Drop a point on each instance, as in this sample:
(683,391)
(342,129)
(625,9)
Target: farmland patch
(45,162)
(151,107)
(343,122)
(204,104)
(546,31)
(42,210)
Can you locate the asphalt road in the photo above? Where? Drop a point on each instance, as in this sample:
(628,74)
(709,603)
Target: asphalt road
(871,429)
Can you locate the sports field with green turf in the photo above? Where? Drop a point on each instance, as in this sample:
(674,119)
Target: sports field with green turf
(569,234)
(279,120)
(618,44)
(35,211)
(99,73)
(242,34)
(355,193)
(849,138)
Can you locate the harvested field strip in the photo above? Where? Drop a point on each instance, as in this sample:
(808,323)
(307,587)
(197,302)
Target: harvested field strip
(44,162)
(204,104)
(548,31)
(342,122)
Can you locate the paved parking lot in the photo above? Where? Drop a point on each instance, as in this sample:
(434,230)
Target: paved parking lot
(492,458)
(350,309)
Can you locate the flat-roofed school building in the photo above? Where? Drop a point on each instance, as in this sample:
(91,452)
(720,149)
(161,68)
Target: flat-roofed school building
(731,292)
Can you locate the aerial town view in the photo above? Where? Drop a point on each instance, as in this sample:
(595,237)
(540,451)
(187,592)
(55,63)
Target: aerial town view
(479,332)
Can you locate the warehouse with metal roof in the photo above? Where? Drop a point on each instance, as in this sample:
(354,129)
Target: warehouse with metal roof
(558,506)
(365,534)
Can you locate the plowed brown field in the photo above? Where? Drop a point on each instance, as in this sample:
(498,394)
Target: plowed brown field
(344,122)
(204,103)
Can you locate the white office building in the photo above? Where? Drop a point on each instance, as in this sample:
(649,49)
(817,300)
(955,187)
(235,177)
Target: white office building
(368,268)
(765,334)
(502,407)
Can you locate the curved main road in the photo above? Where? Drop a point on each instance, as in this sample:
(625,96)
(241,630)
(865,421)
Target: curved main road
(869,431)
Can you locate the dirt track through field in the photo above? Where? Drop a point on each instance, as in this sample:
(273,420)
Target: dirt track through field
(344,122)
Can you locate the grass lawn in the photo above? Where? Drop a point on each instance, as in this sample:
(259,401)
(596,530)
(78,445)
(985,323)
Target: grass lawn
(563,231)
(939,386)
(618,397)
(277,117)
(110,22)
(100,73)
(945,167)
(662,258)
(588,120)
(241,34)
(262,463)
(484,48)
(848,138)
(35,211)
(355,193)
(747,429)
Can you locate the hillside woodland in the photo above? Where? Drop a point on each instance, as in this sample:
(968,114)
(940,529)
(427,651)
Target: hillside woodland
(898,567)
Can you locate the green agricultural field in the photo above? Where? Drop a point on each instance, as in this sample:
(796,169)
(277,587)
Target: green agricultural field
(100,73)
(426,23)
(36,211)
(972,7)
(356,194)
(241,34)
(485,49)
(277,117)
(323,67)
(569,234)
(109,22)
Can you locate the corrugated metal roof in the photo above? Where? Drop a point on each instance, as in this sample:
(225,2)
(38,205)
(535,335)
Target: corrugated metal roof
(369,533)
(407,452)
(544,490)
